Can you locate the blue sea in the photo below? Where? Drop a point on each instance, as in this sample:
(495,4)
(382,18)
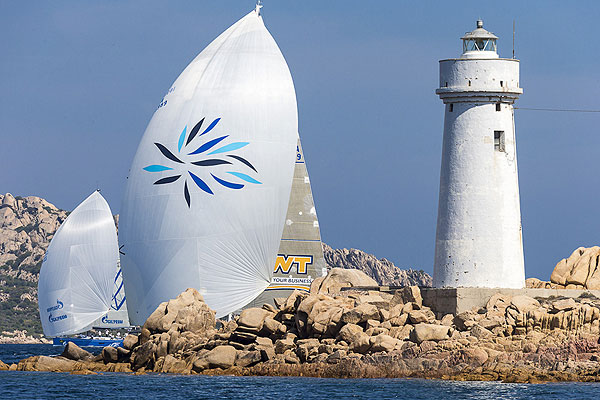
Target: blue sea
(47,385)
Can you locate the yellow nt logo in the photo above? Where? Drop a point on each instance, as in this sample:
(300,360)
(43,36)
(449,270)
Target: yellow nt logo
(284,263)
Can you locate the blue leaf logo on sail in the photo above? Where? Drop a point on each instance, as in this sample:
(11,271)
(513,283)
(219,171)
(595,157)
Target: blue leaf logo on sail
(189,162)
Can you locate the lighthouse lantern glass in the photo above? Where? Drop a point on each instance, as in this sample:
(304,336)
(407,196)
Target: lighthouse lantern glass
(479,45)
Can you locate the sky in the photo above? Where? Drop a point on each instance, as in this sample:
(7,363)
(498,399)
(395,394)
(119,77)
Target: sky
(80,80)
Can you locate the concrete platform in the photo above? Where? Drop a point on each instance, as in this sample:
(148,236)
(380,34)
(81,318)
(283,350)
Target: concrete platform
(456,300)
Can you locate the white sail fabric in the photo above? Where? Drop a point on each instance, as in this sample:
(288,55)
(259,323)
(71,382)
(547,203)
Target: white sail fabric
(300,258)
(208,188)
(77,275)
(117,315)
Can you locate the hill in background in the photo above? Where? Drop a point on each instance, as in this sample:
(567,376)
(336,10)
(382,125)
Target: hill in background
(27,224)
(382,270)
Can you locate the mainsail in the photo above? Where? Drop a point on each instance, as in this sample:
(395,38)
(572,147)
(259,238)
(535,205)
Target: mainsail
(209,186)
(76,279)
(300,258)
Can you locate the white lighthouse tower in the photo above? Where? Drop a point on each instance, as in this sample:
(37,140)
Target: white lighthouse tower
(478,238)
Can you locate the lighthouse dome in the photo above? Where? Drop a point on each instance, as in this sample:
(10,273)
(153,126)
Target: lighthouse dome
(479,43)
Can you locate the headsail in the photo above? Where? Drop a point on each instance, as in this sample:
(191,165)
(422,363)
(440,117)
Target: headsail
(76,279)
(300,258)
(209,185)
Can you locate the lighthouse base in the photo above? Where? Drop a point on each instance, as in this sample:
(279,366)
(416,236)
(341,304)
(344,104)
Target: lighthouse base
(457,300)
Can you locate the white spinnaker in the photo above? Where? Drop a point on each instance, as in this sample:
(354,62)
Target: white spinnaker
(77,275)
(217,237)
(117,316)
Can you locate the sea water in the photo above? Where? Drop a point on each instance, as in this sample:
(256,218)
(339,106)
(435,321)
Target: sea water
(48,385)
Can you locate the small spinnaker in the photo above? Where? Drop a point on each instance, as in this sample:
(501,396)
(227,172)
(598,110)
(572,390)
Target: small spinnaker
(77,276)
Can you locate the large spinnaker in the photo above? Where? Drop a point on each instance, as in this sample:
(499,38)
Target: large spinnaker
(208,188)
(77,275)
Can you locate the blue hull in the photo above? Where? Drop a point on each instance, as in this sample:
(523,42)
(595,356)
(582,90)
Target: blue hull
(88,342)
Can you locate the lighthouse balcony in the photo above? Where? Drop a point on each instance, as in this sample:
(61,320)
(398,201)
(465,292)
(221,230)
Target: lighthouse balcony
(468,95)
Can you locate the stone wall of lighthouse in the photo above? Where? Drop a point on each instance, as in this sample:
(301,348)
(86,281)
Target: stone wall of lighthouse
(478,239)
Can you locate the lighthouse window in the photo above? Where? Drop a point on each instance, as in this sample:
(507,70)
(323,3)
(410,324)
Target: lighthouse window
(498,107)
(499,141)
(479,44)
(451,107)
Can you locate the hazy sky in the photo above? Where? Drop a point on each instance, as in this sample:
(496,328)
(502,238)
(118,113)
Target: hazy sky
(80,80)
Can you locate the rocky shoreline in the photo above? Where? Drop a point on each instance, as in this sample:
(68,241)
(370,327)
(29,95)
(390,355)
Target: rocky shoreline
(21,337)
(27,224)
(357,334)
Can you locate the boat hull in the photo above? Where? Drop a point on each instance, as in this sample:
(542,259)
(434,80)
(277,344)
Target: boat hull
(88,342)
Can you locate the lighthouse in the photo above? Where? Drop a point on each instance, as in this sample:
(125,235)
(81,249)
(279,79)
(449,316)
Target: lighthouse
(478,238)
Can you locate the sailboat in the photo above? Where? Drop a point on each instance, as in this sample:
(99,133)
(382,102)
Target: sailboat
(209,186)
(76,282)
(300,257)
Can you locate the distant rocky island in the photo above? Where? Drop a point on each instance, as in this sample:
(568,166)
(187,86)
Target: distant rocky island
(27,224)
(383,271)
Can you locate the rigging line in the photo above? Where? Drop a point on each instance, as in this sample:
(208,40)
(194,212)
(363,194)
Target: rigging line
(556,110)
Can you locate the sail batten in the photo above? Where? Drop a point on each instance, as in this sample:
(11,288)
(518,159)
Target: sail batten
(231,119)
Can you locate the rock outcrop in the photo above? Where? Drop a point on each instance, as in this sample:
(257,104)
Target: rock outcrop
(580,271)
(76,353)
(359,334)
(61,364)
(26,226)
(338,278)
(46,363)
(21,337)
(381,270)
(186,313)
